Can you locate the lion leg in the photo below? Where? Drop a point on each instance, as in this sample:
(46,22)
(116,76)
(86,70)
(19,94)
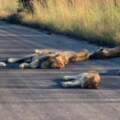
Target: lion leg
(75,83)
(45,51)
(69,78)
(21,60)
(35,64)
(24,65)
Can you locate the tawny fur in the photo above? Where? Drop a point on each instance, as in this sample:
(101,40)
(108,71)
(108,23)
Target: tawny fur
(104,53)
(90,80)
(58,59)
(80,56)
(49,58)
(93,80)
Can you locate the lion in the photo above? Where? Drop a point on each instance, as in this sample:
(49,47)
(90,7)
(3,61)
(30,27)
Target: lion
(72,56)
(89,80)
(80,56)
(62,58)
(105,53)
(57,61)
(49,58)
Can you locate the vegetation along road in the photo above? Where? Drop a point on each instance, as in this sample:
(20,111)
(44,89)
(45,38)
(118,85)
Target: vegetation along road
(36,95)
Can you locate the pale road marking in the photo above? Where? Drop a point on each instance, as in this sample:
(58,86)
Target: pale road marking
(61,91)
(64,100)
(45,71)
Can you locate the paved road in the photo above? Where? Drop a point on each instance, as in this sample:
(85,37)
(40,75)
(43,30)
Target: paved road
(36,94)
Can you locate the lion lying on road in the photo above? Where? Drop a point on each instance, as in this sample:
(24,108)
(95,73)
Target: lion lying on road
(104,53)
(91,80)
(50,58)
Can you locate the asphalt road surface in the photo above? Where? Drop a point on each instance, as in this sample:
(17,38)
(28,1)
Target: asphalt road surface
(36,94)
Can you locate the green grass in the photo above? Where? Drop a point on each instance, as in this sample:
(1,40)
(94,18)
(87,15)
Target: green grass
(93,20)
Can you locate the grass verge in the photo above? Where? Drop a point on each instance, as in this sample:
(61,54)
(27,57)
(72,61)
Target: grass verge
(95,21)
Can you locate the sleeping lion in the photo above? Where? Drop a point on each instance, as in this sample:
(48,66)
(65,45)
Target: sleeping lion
(50,58)
(90,80)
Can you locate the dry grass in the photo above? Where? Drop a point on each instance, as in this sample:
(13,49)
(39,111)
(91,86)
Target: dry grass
(96,20)
(7,7)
